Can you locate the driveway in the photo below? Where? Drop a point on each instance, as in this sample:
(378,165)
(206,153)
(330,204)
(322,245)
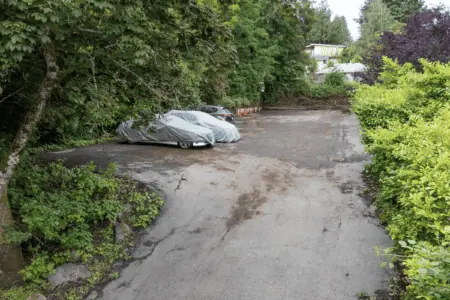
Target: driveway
(277,215)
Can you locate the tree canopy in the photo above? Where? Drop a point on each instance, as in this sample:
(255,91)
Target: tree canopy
(328,30)
(425,36)
(401,10)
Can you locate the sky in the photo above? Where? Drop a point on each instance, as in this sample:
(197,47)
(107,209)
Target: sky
(350,9)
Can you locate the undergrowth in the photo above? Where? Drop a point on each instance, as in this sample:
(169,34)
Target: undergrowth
(69,215)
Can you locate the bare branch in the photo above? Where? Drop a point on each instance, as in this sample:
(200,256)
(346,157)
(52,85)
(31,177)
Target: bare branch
(89,30)
(10,95)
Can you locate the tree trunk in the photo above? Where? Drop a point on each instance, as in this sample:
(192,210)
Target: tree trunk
(11,260)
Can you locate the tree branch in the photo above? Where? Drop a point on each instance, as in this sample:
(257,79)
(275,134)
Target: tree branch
(10,95)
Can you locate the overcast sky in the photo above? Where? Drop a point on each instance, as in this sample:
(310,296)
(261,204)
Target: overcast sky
(350,9)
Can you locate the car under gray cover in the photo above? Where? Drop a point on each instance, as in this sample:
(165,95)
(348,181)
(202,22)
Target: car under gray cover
(166,129)
(224,132)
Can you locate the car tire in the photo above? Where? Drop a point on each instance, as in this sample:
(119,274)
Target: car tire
(185,145)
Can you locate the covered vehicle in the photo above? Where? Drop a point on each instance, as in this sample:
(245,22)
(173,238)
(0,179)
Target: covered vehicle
(224,132)
(166,129)
(219,112)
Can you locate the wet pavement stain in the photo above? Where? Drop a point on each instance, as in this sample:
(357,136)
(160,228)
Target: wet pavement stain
(245,208)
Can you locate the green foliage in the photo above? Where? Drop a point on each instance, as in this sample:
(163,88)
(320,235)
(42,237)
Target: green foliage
(255,49)
(145,207)
(59,209)
(406,127)
(334,85)
(377,19)
(289,32)
(428,268)
(118,59)
(57,204)
(235,102)
(328,31)
(43,265)
(19,292)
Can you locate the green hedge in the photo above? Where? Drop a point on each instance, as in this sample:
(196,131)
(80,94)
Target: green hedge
(406,127)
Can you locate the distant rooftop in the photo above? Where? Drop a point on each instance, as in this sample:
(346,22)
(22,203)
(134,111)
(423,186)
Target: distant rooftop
(326,45)
(345,68)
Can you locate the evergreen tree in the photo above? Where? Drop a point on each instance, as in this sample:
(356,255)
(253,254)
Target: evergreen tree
(255,50)
(401,10)
(320,32)
(377,18)
(339,32)
(328,31)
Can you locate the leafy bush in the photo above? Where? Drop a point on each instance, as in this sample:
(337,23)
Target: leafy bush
(406,127)
(59,210)
(428,269)
(57,204)
(334,85)
(236,102)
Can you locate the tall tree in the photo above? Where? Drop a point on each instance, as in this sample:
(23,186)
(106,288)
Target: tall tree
(378,19)
(401,10)
(288,24)
(320,31)
(326,30)
(256,51)
(339,32)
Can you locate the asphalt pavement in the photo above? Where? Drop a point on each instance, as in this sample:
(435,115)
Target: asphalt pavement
(278,215)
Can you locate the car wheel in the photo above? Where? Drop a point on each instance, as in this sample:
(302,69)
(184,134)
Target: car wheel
(185,145)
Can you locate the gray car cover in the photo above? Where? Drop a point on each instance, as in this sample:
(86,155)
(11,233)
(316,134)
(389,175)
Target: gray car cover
(224,132)
(165,128)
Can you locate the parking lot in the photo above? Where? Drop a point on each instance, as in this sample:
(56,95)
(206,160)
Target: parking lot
(278,215)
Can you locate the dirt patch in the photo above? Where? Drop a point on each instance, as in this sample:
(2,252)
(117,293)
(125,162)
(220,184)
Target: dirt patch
(275,180)
(246,207)
(346,187)
(197,231)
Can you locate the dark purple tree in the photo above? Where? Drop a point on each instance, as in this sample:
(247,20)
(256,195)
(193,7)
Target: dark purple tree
(426,35)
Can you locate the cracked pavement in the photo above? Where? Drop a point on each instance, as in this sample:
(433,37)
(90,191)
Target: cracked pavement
(276,216)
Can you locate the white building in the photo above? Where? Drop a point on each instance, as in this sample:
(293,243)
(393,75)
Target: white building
(324,54)
(352,71)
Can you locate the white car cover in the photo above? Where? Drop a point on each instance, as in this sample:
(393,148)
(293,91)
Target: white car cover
(223,131)
(165,128)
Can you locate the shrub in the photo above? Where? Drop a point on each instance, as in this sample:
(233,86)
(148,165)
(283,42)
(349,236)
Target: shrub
(236,102)
(334,85)
(59,210)
(406,127)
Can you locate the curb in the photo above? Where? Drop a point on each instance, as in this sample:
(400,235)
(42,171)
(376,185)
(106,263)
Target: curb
(244,111)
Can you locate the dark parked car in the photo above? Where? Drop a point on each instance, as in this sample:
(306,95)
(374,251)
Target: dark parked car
(220,112)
